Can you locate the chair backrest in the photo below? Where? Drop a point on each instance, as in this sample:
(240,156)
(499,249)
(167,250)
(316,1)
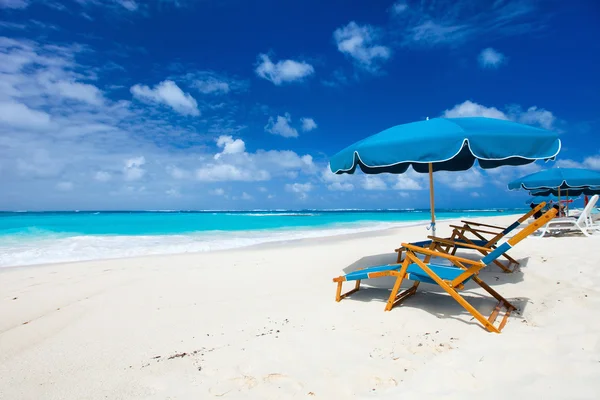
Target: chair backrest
(528,230)
(586,215)
(524,218)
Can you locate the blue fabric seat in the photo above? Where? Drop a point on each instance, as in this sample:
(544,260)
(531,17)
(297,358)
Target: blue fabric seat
(415,273)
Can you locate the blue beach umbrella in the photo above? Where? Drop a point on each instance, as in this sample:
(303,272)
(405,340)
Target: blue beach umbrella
(447,144)
(559,179)
(590,191)
(538,198)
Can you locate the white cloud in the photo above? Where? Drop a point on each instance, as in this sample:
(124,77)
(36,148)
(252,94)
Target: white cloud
(399,7)
(502,175)
(433,33)
(284,71)
(129,5)
(301,189)
(281,126)
(133,170)
(490,58)
(167,93)
(471,178)
(212,85)
(373,183)
(177,173)
(533,115)
(78,91)
(590,162)
(452,23)
(360,43)
(409,181)
(340,186)
(15,4)
(337,182)
(102,176)
(18,115)
(470,109)
(64,186)
(228,172)
(229,145)
(308,124)
(49,136)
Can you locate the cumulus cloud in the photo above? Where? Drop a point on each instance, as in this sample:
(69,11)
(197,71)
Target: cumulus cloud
(210,82)
(471,109)
(490,58)
(336,182)
(301,189)
(371,182)
(471,178)
(341,186)
(229,172)
(281,126)
(284,71)
(229,145)
(78,91)
(169,94)
(590,162)
(410,180)
(18,115)
(133,170)
(360,43)
(49,136)
(532,116)
(308,124)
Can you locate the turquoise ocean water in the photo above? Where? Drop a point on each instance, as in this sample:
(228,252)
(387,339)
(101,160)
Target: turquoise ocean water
(28,238)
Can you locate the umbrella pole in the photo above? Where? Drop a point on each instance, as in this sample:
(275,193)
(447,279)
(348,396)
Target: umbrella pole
(431,199)
(567,203)
(559,201)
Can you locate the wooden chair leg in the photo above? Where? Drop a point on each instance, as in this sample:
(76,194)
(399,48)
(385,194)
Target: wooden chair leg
(396,298)
(459,299)
(339,296)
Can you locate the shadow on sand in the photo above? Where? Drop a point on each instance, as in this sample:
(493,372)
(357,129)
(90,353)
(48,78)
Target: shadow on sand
(434,299)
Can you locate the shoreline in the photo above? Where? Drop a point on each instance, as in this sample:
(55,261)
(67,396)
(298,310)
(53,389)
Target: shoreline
(361,229)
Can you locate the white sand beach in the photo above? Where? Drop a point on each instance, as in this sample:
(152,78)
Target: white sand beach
(262,323)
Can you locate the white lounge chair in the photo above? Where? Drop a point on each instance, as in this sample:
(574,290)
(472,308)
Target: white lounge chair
(583,223)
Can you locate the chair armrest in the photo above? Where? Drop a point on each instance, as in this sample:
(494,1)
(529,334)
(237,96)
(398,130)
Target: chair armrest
(484,225)
(426,251)
(454,243)
(468,229)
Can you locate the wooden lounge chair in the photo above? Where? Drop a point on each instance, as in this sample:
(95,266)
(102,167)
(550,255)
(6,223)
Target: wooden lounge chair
(462,238)
(583,224)
(450,278)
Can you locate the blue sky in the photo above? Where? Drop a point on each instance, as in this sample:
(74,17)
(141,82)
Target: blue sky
(234,104)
